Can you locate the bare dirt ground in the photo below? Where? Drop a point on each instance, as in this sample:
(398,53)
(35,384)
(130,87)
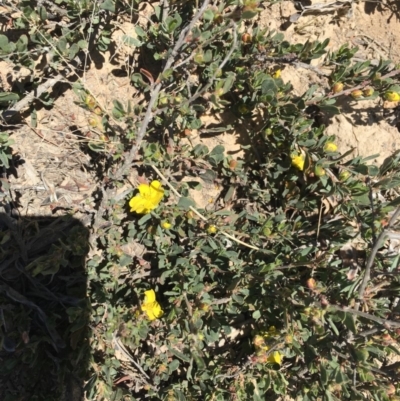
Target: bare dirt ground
(375,30)
(57,175)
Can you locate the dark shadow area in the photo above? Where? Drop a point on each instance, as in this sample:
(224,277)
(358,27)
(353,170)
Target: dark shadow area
(44,310)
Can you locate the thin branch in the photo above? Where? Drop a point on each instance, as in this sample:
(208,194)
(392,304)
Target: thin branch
(226,59)
(178,195)
(388,324)
(361,86)
(371,259)
(156,90)
(165,8)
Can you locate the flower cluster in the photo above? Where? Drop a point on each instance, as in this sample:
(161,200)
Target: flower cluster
(262,345)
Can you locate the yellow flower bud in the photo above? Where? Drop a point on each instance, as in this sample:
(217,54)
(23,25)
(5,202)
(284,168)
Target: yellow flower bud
(330,147)
(211,229)
(276,74)
(392,96)
(90,102)
(344,175)
(166,225)
(199,58)
(319,171)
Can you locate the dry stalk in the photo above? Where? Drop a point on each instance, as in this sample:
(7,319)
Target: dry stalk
(178,195)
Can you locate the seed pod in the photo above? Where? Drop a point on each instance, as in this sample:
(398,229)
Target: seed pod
(98,111)
(93,122)
(311,283)
(218,19)
(368,92)
(356,94)
(338,87)
(267,132)
(246,38)
(233,164)
(319,171)
(90,102)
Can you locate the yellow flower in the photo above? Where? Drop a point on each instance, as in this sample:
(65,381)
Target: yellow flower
(392,96)
(148,198)
(330,147)
(276,74)
(298,162)
(166,225)
(275,357)
(150,306)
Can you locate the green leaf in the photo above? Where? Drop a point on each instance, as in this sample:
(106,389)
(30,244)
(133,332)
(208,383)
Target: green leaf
(350,322)
(4,162)
(8,97)
(34,118)
(179,354)
(22,44)
(125,260)
(185,203)
(130,41)
(173,366)
(269,86)
(42,13)
(108,5)
(3,42)
(62,44)
(140,31)
(249,14)
(333,326)
(329,109)
(144,219)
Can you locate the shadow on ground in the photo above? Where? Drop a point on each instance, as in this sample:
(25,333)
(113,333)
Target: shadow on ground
(44,312)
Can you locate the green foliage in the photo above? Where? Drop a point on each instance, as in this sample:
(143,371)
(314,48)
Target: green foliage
(5,149)
(267,253)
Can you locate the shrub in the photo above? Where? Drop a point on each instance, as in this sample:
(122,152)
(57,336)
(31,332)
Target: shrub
(251,297)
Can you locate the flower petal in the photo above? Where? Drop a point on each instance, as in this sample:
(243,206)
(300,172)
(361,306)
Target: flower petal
(275,357)
(156,312)
(144,189)
(149,296)
(139,205)
(156,192)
